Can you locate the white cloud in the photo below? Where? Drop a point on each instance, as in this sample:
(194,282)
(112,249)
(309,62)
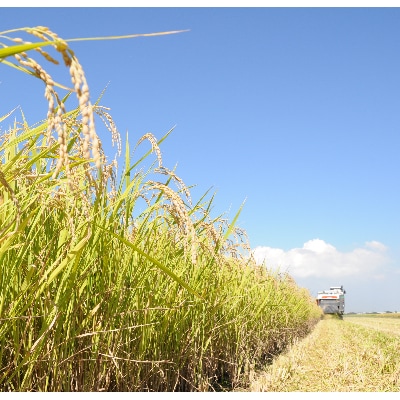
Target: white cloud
(376,245)
(320,259)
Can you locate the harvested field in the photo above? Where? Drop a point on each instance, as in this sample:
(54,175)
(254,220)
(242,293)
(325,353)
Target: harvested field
(389,323)
(350,355)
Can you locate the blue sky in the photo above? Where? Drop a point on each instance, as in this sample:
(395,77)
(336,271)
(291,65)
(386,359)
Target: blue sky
(295,110)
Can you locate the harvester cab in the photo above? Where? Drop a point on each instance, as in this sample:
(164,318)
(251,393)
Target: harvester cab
(332,301)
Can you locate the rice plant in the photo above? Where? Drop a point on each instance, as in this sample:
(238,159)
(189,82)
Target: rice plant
(119,281)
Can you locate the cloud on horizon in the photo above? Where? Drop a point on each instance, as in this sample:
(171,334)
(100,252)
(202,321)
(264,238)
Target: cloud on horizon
(320,259)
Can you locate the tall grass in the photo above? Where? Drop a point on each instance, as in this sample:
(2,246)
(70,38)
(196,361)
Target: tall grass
(119,282)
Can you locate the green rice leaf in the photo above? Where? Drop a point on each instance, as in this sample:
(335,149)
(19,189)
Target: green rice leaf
(19,48)
(155,262)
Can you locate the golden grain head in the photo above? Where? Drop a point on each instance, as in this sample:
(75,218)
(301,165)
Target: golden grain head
(91,142)
(81,89)
(179,212)
(110,125)
(181,185)
(154,146)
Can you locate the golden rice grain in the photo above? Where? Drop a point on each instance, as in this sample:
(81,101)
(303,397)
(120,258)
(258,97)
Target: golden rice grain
(154,146)
(177,179)
(91,140)
(110,125)
(178,210)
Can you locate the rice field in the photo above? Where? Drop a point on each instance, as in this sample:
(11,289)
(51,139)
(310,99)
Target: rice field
(388,323)
(112,278)
(338,356)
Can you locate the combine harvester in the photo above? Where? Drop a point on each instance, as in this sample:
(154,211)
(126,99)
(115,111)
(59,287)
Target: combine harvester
(332,301)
